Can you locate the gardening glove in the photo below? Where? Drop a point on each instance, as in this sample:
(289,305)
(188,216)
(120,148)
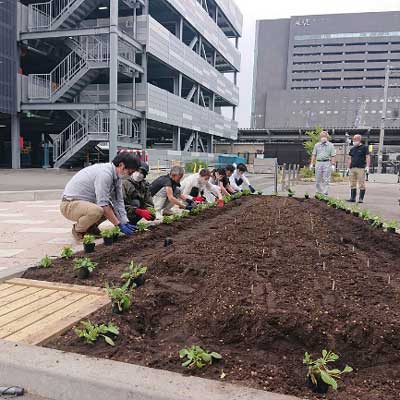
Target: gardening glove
(220,203)
(252,190)
(198,199)
(142,212)
(333,168)
(127,229)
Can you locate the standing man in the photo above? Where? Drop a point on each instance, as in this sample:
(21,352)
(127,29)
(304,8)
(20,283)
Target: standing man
(358,163)
(94,194)
(137,196)
(324,158)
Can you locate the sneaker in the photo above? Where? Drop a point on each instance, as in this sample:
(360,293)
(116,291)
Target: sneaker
(77,235)
(94,230)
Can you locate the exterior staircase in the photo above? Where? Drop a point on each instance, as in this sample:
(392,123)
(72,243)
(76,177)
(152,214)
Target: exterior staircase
(59,14)
(79,68)
(73,145)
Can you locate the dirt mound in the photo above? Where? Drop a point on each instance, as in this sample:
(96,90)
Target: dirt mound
(261,282)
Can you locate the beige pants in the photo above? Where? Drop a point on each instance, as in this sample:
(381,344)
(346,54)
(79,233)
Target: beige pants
(85,214)
(357,175)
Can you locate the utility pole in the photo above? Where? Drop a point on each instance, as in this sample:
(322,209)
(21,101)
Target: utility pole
(383,119)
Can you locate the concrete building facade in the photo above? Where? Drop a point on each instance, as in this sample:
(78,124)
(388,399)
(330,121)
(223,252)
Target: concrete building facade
(326,70)
(126,74)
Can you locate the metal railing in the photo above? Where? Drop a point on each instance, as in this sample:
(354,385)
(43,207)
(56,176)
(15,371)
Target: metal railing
(42,16)
(88,49)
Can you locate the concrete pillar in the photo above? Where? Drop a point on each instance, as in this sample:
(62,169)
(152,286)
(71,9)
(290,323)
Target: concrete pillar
(237,43)
(176,139)
(113,102)
(143,133)
(180,28)
(15,138)
(196,142)
(180,83)
(210,144)
(234,113)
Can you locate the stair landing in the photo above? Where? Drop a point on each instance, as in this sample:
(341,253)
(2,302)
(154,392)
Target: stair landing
(33,312)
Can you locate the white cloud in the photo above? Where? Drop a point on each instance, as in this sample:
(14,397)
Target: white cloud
(270,9)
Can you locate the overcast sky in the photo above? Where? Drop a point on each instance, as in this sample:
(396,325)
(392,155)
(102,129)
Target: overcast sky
(271,9)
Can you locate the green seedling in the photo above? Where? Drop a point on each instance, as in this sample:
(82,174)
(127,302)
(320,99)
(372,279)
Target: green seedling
(67,252)
(377,221)
(317,369)
(141,227)
(116,231)
(392,224)
(365,214)
(84,263)
(152,211)
(198,357)
(195,211)
(134,271)
(246,192)
(227,199)
(185,213)
(291,192)
(107,233)
(259,193)
(167,219)
(45,262)
(88,239)
(176,217)
(90,332)
(120,296)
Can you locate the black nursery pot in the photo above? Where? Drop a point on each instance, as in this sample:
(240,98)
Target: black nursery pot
(139,281)
(391,230)
(306,196)
(83,273)
(356,214)
(115,309)
(321,387)
(108,241)
(89,248)
(334,206)
(168,242)
(371,221)
(115,238)
(348,211)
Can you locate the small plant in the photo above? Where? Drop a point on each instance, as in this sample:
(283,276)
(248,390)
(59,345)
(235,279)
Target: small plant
(141,227)
(246,192)
(133,274)
(152,211)
(340,204)
(377,222)
(185,213)
(84,263)
(45,262)
(365,214)
(107,233)
(176,217)
(167,219)
(307,196)
(227,199)
(88,239)
(291,192)
(318,370)
(121,298)
(391,226)
(259,192)
(116,232)
(91,332)
(67,252)
(197,357)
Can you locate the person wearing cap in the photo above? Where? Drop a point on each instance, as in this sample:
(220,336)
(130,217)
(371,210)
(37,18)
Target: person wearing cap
(324,158)
(196,187)
(94,194)
(358,164)
(137,196)
(237,177)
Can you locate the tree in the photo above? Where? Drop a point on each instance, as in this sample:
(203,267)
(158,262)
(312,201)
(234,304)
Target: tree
(314,139)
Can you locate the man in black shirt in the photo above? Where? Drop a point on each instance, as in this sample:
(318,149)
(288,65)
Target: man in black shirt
(358,163)
(166,193)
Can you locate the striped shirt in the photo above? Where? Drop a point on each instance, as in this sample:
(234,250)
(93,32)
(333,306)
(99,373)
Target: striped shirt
(324,151)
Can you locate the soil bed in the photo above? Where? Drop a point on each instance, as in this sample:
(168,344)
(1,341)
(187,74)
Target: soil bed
(254,282)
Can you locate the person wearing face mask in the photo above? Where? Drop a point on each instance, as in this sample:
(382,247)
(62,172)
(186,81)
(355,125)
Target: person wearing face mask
(237,176)
(324,158)
(94,194)
(358,164)
(137,196)
(196,187)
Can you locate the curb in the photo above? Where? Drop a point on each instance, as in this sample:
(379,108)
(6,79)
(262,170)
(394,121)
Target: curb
(31,195)
(65,376)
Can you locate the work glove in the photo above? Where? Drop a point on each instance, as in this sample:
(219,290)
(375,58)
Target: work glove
(220,203)
(311,167)
(189,207)
(252,190)
(142,212)
(367,170)
(198,199)
(127,229)
(333,168)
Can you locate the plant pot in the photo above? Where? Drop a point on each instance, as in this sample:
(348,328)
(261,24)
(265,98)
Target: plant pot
(290,195)
(306,196)
(348,211)
(321,387)
(334,206)
(89,248)
(168,242)
(139,281)
(108,241)
(115,309)
(391,230)
(115,238)
(379,226)
(356,214)
(371,221)
(83,273)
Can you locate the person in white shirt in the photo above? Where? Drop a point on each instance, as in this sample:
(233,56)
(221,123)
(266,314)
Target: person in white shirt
(237,177)
(195,185)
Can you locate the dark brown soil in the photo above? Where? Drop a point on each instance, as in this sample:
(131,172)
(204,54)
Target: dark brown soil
(255,283)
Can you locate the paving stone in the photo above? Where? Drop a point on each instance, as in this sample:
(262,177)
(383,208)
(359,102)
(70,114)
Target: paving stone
(6,253)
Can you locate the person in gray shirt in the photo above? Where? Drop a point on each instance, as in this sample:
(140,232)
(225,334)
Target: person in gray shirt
(94,194)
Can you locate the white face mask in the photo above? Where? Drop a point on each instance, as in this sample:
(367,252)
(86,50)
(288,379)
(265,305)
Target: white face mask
(324,140)
(356,143)
(137,176)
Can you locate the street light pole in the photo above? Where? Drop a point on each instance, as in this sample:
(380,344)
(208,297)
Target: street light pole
(383,119)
